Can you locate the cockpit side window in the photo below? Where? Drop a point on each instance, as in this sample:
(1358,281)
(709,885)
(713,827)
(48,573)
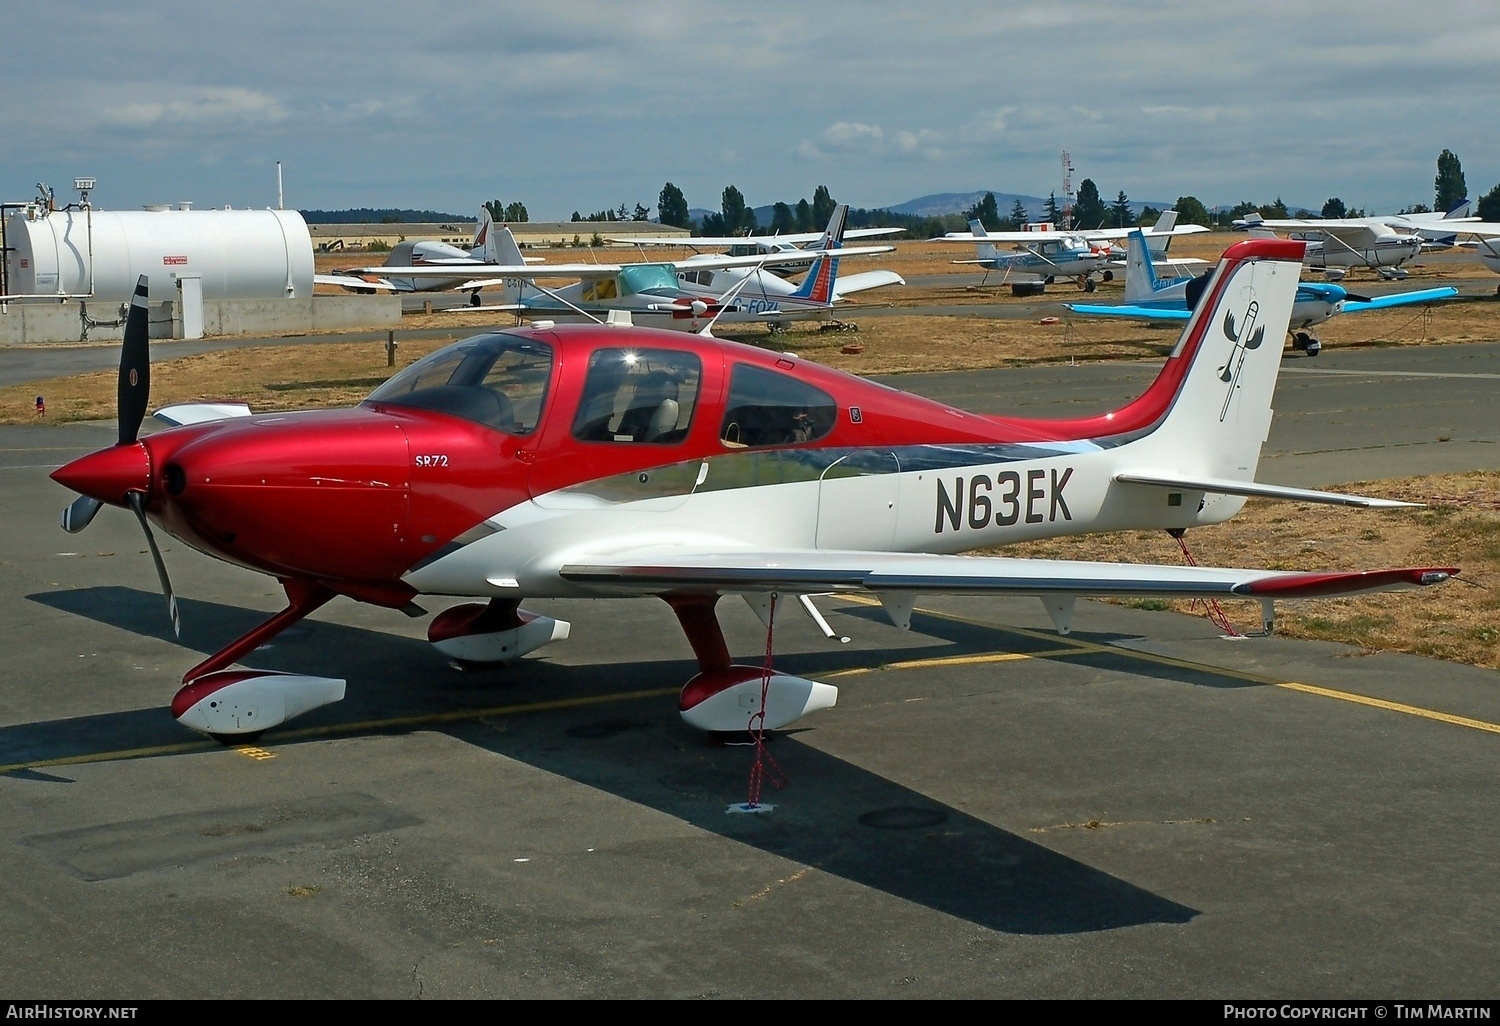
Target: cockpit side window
(638,395)
(496,380)
(767,408)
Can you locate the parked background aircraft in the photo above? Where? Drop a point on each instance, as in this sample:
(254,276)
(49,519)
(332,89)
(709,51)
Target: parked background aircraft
(1383,242)
(1148,297)
(430,254)
(1483,235)
(688,294)
(614,462)
(1043,254)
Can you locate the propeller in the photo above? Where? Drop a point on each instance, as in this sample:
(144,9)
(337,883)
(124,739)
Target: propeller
(134,390)
(132,396)
(138,504)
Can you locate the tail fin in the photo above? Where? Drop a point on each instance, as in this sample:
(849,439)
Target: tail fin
(502,248)
(1465,208)
(833,235)
(984,251)
(482,232)
(1226,363)
(1158,242)
(817,287)
(1140,276)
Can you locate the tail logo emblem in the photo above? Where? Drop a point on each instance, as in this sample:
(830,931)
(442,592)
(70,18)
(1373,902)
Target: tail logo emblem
(1249,336)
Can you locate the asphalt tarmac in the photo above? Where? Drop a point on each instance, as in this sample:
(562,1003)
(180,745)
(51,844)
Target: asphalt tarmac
(1138,809)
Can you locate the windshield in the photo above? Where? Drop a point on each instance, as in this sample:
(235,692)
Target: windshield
(495,380)
(636,278)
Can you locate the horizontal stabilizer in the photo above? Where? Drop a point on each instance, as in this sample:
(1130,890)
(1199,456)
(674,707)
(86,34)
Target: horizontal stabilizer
(1139,313)
(1399,299)
(1257,490)
(848,284)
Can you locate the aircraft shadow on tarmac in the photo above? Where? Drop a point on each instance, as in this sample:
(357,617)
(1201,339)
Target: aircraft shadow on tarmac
(834,816)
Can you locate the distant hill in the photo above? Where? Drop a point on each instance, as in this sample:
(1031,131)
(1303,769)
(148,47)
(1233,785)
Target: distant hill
(381,215)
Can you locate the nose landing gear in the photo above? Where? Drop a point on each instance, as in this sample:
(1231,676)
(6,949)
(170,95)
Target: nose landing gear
(1306,342)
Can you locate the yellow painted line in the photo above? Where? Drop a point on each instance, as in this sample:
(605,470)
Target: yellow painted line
(974,660)
(185,747)
(181,748)
(1400,707)
(1074,647)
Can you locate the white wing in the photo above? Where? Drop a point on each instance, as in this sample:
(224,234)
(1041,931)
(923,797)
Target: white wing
(805,256)
(1093,235)
(717,241)
(657,570)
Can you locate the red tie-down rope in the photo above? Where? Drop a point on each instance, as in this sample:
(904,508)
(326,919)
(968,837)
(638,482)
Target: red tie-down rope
(1211,607)
(765,767)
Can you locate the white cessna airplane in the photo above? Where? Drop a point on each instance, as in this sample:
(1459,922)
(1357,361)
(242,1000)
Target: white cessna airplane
(1484,235)
(1382,243)
(602,461)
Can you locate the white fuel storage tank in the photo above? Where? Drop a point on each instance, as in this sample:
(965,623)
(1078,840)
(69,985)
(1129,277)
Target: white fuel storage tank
(239,254)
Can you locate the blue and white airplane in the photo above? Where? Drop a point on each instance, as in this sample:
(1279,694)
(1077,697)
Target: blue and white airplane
(1150,298)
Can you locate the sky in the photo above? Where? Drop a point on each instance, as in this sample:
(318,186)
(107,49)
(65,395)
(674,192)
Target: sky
(568,105)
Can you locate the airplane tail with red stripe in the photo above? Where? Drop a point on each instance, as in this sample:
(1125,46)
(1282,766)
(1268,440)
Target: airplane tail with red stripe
(817,287)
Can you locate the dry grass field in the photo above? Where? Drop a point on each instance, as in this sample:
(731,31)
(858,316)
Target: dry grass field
(1460,526)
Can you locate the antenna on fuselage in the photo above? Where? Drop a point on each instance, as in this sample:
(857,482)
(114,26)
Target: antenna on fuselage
(725,299)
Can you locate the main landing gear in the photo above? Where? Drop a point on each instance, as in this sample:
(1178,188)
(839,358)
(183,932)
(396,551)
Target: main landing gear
(726,698)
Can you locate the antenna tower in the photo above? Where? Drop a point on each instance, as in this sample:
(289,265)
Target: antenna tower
(1067,210)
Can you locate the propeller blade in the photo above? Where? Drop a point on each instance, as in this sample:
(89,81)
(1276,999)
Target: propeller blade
(79,513)
(138,503)
(135,365)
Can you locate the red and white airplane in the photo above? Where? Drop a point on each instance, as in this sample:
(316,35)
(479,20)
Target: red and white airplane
(603,461)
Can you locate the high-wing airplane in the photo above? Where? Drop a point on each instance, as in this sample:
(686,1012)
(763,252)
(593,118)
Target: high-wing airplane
(601,461)
(1462,211)
(453,265)
(1148,297)
(1383,242)
(1484,235)
(1044,255)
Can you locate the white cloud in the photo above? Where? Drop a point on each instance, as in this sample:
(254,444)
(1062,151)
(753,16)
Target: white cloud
(195,105)
(845,135)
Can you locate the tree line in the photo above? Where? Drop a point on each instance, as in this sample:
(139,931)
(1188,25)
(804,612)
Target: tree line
(736,217)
